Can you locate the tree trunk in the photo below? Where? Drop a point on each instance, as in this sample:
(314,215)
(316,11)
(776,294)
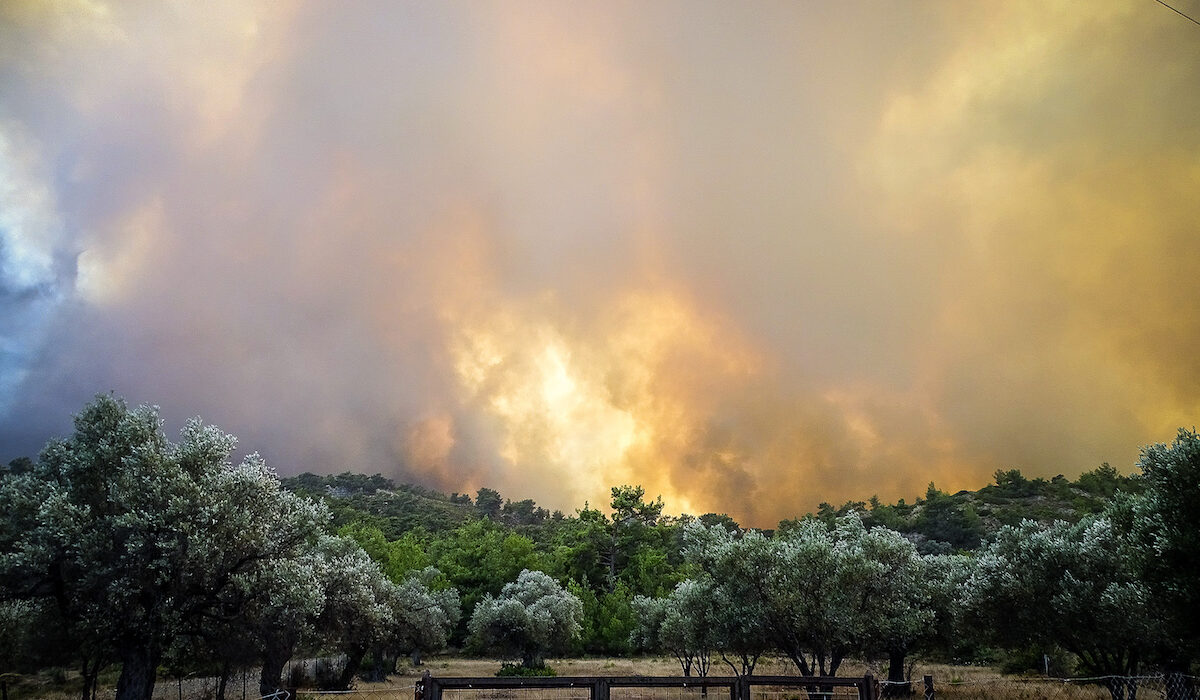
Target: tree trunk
(748,664)
(746,661)
(273,660)
(90,676)
(533,659)
(226,669)
(377,669)
(835,662)
(685,663)
(897,684)
(801,663)
(138,670)
(354,657)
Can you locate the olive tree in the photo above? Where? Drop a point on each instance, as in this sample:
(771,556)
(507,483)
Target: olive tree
(683,624)
(137,540)
(738,632)
(1162,524)
(946,576)
(894,608)
(752,567)
(405,617)
(818,594)
(1075,586)
(532,616)
(425,612)
(286,615)
(338,597)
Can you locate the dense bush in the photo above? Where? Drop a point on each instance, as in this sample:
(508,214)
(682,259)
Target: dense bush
(523,671)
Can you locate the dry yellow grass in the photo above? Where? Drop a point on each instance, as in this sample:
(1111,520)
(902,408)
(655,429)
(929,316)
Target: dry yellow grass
(458,667)
(952,682)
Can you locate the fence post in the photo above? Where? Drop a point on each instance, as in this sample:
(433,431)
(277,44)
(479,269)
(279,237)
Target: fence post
(600,689)
(929,695)
(741,689)
(870,688)
(426,689)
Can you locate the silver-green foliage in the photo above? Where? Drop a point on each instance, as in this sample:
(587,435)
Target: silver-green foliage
(1072,585)
(362,610)
(1163,523)
(138,540)
(815,594)
(684,624)
(532,617)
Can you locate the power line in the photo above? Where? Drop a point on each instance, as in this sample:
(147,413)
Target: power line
(1172,9)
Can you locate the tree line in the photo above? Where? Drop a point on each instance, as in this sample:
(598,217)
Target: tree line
(120,546)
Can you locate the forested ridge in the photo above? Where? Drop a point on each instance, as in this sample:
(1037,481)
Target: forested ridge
(938,522)
(120,548)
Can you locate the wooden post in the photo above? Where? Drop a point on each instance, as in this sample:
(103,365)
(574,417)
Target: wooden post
(929,688)
(870,689)
(600,689)
(741,689)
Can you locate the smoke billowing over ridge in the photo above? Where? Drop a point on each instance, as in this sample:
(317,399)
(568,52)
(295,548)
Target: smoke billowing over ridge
(752,258)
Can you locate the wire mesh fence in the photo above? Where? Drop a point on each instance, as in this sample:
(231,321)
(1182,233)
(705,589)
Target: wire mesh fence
(1151,687)
(682,692)
(809,692)
(243,685)
(392,693)
(569,693)
(316,672)
(652,688)
(301,677)
(239,685)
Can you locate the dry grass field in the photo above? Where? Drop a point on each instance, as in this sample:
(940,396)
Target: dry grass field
(952,682)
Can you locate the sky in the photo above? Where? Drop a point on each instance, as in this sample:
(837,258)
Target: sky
(751,256)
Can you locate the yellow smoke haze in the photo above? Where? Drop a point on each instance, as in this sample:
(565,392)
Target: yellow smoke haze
(751,257)
(579,405)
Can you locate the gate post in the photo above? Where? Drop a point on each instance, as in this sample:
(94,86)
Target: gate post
(869,688)
(600,689)
(427,688)
(929,694)
(741,689)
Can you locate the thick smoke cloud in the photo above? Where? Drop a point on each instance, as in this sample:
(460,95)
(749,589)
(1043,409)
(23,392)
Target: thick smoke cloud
(753,258)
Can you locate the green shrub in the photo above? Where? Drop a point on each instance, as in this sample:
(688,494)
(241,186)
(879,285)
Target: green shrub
(519,670)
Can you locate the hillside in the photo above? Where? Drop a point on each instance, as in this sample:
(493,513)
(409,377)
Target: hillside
(375,500)
(938,523)
(943,523)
